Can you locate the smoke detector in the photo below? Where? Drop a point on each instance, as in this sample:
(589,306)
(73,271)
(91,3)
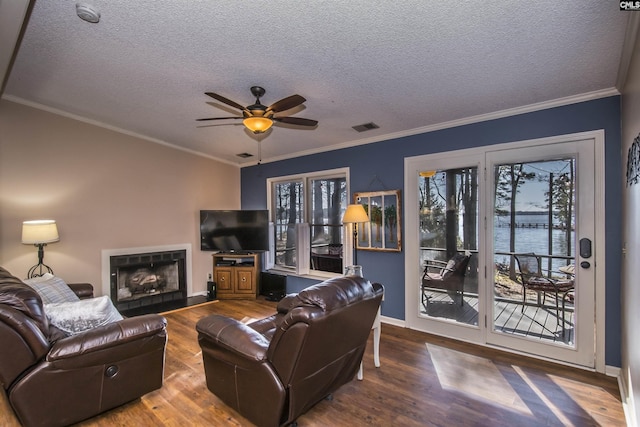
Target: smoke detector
(88,13)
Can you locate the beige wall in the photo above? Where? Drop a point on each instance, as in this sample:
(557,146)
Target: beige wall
(630,374)
(106,190)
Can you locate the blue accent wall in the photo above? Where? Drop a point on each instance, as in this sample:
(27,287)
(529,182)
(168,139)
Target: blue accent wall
(384,162)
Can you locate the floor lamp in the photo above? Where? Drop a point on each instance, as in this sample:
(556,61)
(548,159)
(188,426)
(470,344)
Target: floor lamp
(39,233)
(353,215)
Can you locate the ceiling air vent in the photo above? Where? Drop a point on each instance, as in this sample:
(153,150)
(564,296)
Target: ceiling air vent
(366,126)
(244,155)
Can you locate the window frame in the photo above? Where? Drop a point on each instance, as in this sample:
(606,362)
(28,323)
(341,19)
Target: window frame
(303,266)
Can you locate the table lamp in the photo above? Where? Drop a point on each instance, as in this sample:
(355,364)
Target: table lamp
(39,233)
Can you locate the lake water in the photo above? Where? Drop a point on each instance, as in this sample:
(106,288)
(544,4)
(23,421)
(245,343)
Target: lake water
(527,239)
(531,239)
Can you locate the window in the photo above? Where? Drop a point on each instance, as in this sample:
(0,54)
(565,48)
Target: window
(312,204)
(288,211)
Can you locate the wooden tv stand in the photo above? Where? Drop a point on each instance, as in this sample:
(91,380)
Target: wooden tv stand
(236,275)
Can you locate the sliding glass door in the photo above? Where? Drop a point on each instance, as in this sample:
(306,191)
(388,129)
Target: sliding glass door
(445,192)
(504,252)
(448,221)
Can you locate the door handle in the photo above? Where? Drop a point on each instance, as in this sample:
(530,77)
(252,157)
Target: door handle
(585,264)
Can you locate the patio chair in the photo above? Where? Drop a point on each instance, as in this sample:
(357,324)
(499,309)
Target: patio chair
(532,279)
(448,276)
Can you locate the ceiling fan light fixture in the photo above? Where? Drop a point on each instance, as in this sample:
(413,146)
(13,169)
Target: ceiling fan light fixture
(259,118)
(257,124)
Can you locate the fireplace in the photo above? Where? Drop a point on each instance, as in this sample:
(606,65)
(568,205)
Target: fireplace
(145,282)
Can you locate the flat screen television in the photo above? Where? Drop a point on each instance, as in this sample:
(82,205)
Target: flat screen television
(234,231)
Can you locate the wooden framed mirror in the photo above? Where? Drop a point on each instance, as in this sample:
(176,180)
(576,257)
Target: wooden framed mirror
(383,232)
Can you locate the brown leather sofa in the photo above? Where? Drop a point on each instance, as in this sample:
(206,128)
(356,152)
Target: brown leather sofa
(273,370)
(55,380)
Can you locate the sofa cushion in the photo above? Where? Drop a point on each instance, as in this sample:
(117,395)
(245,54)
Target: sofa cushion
(78,316)
(52,289)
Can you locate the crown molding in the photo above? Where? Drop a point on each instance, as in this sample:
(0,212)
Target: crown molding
(559,102)
(589,96)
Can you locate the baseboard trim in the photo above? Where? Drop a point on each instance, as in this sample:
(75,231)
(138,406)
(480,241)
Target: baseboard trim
(626,397)
(612,371)
(392,321)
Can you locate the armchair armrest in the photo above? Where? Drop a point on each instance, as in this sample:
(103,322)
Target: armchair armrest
(287,303)
(433,267)
(127,338)
(233,336)
(83,290)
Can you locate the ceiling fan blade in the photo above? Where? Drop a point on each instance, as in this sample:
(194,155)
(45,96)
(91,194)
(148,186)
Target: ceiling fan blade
(296,121)
(286,103)
(218,118)
(224,100)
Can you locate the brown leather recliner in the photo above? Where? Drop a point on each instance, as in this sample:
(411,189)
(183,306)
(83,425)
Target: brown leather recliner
(273,370)
(55,380)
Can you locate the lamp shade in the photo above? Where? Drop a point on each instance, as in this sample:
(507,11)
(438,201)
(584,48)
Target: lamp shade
(40,231)
(257,124)
(355,213)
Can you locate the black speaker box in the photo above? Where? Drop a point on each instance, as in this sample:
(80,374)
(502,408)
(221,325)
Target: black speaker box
(273,285)
(211,291)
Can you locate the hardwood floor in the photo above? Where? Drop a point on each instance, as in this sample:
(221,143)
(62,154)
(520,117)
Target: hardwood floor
(423,380)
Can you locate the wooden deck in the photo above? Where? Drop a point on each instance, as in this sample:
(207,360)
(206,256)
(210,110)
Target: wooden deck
(536,322)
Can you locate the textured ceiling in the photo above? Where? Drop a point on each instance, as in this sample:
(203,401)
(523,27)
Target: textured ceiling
(405,65)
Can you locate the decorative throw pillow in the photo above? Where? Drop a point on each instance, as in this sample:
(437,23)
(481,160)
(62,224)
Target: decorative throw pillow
(52,289)
(81,315)
(448,269)
(451,265)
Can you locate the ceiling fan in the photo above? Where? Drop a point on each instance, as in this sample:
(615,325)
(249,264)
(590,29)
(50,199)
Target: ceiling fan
(259,118)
